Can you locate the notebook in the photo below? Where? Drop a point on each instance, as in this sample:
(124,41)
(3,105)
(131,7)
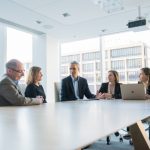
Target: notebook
(132,92)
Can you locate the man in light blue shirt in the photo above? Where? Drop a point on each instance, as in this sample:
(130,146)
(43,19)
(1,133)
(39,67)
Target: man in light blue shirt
(75,87)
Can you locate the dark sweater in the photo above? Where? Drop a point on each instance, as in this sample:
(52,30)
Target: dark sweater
(33,91)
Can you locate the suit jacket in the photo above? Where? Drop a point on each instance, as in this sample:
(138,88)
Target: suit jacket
(148,90)
(67,89)
(117,92)
(11,95)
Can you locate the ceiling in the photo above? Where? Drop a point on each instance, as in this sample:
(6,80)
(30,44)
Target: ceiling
(87,18)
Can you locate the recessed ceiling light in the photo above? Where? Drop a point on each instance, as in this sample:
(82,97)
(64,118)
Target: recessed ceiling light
(66,14)
(38,21)
(103,30)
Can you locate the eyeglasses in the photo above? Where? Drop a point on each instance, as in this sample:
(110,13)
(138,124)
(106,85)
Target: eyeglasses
(19,71)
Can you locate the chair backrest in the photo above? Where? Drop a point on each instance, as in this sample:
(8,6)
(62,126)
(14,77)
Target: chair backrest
(22,88)
(57,87)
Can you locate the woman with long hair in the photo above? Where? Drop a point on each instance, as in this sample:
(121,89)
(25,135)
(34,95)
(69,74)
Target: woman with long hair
(34,88)
(144,78)
(111,89)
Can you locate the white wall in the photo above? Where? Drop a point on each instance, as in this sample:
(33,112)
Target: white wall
(3,52)
(45,54)
(53,74)
(39,55)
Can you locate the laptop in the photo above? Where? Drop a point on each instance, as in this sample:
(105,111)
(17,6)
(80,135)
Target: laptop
(132,92)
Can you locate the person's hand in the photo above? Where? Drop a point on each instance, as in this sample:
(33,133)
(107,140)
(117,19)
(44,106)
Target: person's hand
(147,96)
(102,96)
(108,95)
(39,96)
(99,95)
(40,99)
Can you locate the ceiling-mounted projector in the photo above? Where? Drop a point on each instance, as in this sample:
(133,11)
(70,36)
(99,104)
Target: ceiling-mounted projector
(139,23)
(136,23)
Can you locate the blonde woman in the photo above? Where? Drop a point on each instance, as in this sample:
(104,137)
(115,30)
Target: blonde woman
(111,89)
(34,88)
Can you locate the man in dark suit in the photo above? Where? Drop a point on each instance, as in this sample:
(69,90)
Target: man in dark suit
(75,87)
(9,91)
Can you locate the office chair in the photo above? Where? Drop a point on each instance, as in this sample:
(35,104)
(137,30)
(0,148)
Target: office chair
(128,136)
(116,134)
(147,121)
(57,86)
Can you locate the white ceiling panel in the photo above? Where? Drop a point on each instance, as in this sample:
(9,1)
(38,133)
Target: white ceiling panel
(86,19)
(34,4)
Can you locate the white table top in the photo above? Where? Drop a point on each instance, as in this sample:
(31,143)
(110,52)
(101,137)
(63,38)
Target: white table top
(67,125)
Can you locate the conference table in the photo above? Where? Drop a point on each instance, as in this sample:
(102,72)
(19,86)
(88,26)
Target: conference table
(71,125)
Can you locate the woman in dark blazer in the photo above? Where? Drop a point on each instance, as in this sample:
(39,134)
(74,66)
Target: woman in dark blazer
(111,89)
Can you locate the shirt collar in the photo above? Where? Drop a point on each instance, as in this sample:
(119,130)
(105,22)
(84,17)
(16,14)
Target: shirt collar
(13,81)
(73,79)
(16,82)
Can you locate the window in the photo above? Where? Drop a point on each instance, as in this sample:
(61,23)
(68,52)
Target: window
(125,52)
(134,63)
(89,67)
(133,76)
(118,64)
(87,54)
(19,46)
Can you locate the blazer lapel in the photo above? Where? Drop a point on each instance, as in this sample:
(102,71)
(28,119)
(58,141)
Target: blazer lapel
(12,83)
(116,88)
(79,86)
(71,85)
(107,87)
(19,90)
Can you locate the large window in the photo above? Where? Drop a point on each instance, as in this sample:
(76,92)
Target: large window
(87,53)
(19,46)
(124,52)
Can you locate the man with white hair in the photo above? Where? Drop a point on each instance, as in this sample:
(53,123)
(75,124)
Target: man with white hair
(9,92)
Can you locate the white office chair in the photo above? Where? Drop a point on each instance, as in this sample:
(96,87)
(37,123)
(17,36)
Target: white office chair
(57,86)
